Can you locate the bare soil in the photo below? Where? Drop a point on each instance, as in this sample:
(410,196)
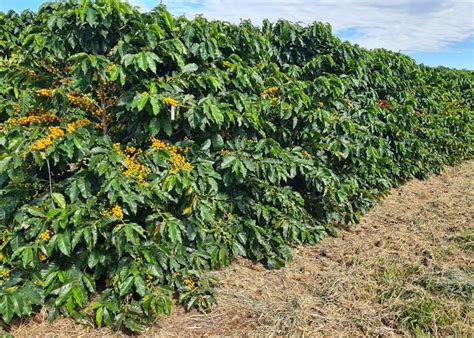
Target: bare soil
(406,269)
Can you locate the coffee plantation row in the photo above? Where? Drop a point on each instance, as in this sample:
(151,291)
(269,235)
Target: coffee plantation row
(138,150)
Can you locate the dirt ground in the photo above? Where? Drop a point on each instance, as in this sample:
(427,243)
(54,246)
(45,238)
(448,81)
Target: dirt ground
(408,268)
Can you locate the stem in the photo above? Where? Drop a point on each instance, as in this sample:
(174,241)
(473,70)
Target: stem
(104,121)
(50,182)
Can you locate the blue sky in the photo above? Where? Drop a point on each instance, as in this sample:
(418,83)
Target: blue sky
(434,32)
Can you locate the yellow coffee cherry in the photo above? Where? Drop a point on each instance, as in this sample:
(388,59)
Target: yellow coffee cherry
(116,210)
(46,235)
(171,101)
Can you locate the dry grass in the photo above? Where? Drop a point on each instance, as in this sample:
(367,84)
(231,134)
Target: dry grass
(408,268)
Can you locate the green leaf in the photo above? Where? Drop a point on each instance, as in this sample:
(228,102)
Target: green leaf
(174,232)
(27,257)
(216,114)
(155,104)
(24,101)
(239,249)
(92,16)
(217,141)
(169,20)
(76,58)
(190,67)
(151,60)
(115,72)
(108,318)
(88,283)
(125,286)
(227,161)
(33,295)
(6,308)
(123,76)
(63,293)
(130,234)
(140,285)
(93,259)
(166,125)
(59,199)
(152,65)
(133,325)
(3,163)
(142,101)
(142,61)
(35,211)
(64,244)
(99,314)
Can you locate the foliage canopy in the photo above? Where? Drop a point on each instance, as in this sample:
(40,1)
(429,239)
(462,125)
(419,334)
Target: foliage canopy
(139,149)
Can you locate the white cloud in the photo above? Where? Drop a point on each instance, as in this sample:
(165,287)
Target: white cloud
(407,25)
(143,4)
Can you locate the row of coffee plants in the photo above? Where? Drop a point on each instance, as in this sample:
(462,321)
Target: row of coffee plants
(138,150)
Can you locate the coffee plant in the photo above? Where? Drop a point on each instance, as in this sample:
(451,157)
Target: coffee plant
(138,150)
